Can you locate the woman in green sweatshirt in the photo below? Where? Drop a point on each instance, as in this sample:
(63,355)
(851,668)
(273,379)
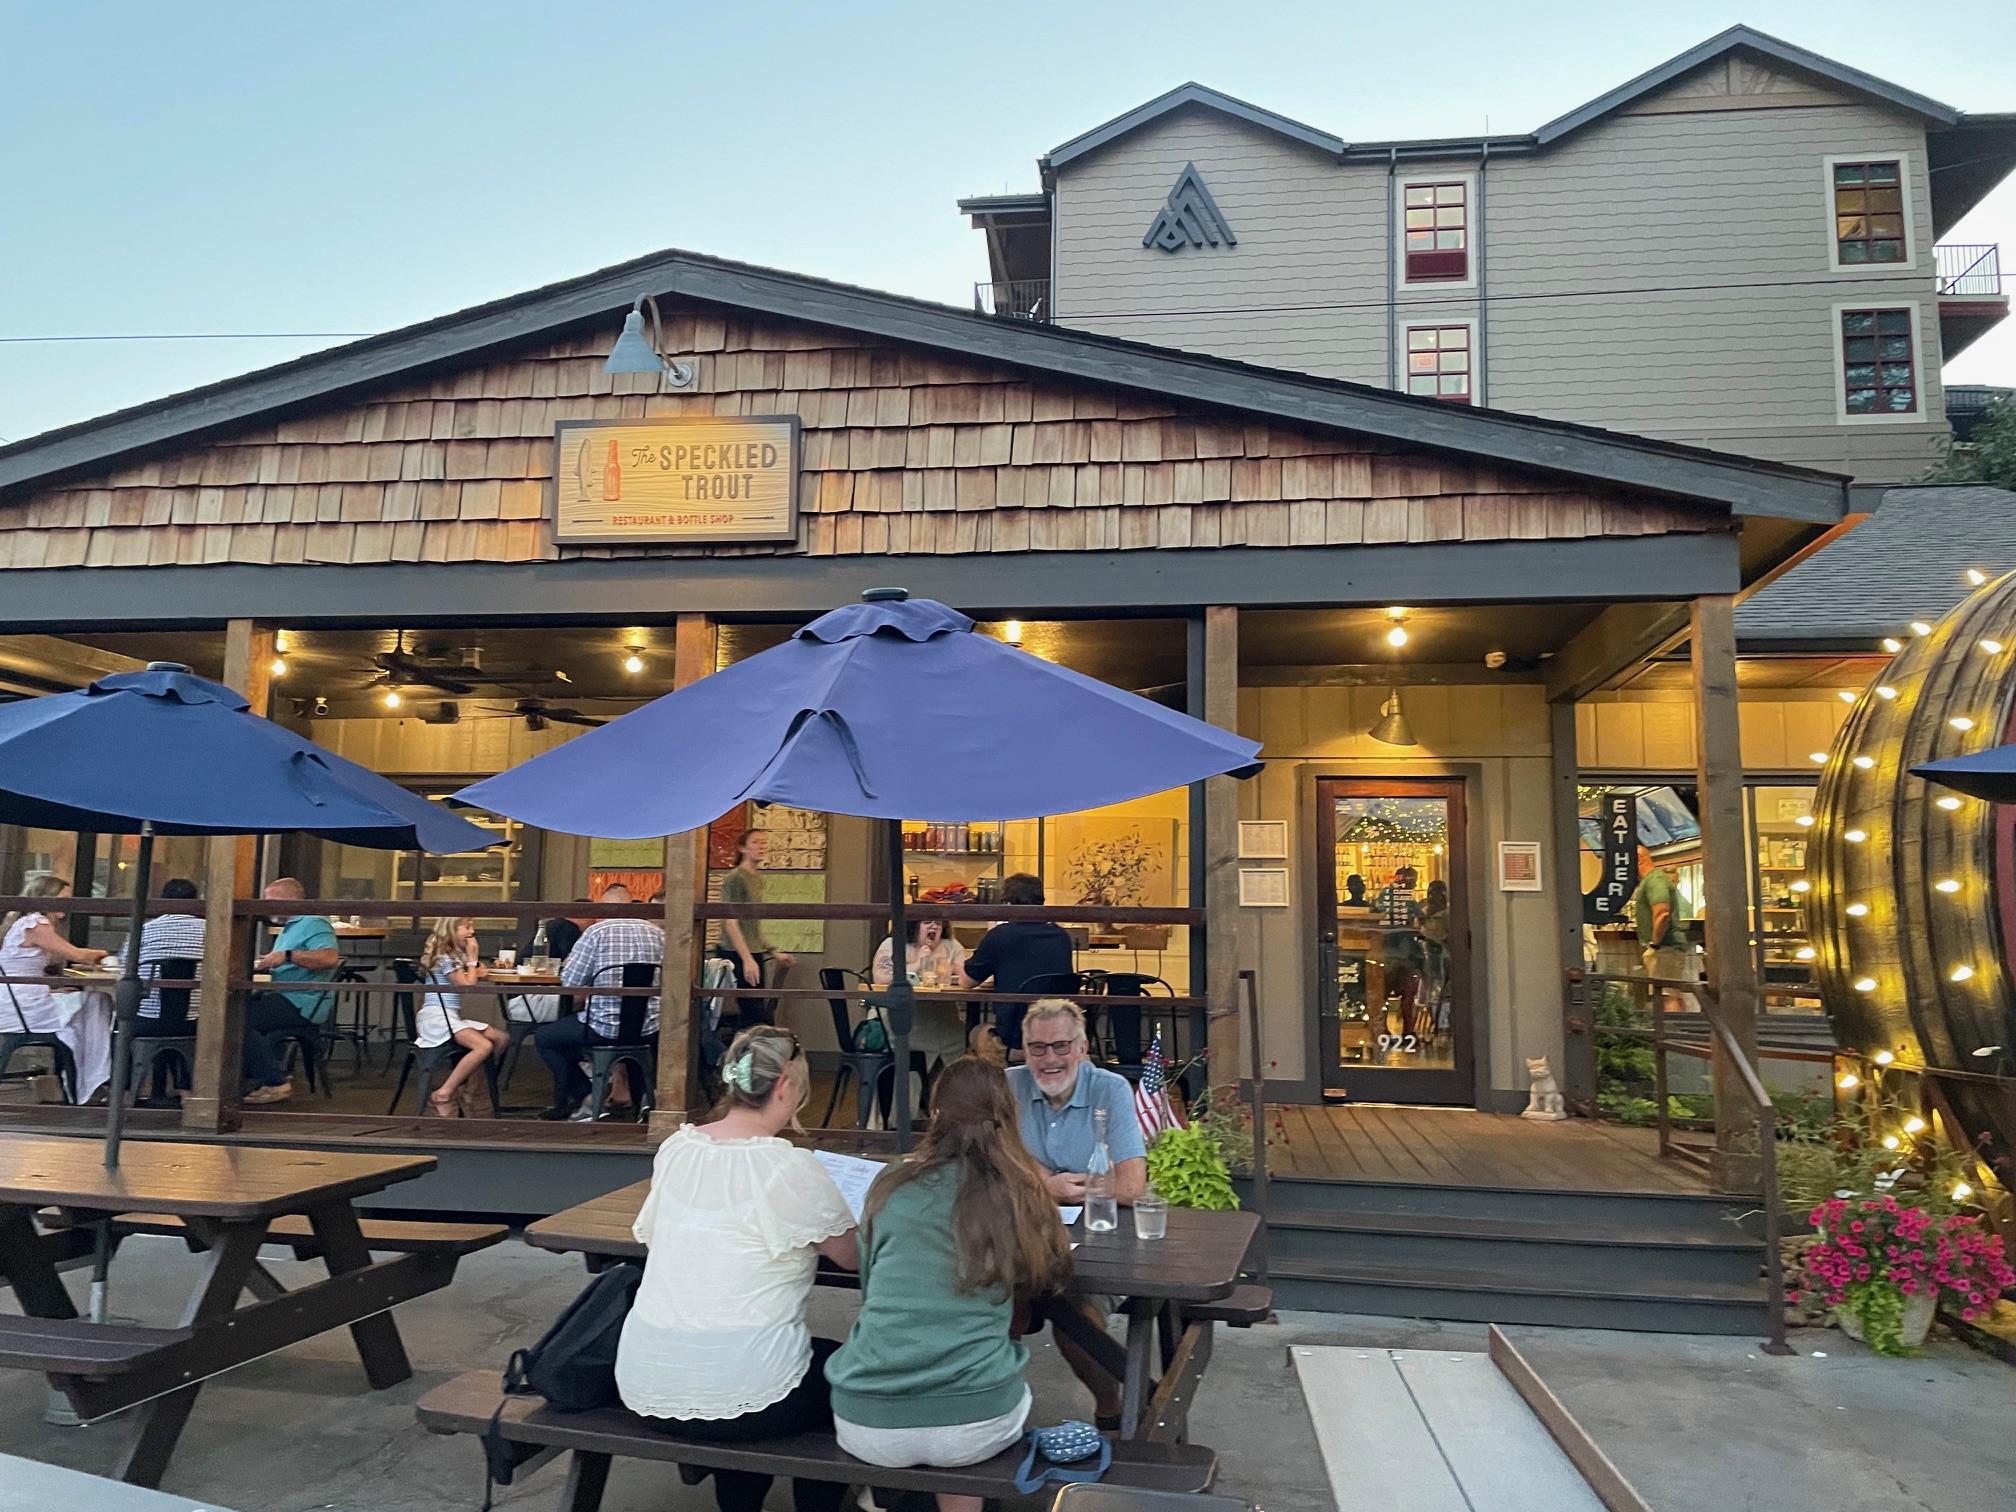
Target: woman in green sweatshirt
(930,1374)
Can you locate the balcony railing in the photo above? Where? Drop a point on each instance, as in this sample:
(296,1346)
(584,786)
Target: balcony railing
(1022,299)
(1969,271)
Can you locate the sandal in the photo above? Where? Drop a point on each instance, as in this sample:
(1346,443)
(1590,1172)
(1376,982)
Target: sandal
(442,1104)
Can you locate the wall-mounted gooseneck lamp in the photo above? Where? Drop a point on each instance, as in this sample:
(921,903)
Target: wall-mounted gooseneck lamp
(634,352)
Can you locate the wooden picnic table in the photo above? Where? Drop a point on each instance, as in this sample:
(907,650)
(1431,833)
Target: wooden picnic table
(1157,1282)
(226,1196)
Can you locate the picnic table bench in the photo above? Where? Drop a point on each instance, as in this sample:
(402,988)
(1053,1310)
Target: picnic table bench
(226,1199)
(534,1434)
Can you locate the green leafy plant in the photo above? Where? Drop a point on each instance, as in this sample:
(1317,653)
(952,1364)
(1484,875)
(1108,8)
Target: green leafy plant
(1224,1119)
(1186,1168)
(1988,455)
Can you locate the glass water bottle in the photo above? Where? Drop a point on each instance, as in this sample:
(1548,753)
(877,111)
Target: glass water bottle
(1102,1210)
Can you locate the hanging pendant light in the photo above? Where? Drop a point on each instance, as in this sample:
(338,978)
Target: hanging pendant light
(1392,728)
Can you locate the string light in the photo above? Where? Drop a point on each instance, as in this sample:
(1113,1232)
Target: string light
(1804,821)
(1883,1057)
(1856,910)
(1949,803)
(1976,576)
(1919,627)
(1914,1125)
(1962,1191)
(1845,696)
(1865,984)
(1960,973)
(1801,885)
(1992,647)
(1804,953)
(1819,757)
(279,667)
(1885,692)
(1892,644)
(1856,836)
(1946,885)
(1961,723)
(1891,1141)
(1848,1080)
(1865,762)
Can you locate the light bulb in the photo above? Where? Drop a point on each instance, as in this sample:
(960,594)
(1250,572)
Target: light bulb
(1396,636)
(1397,612)
(279,667)
(1847,1080)
(1801,885)
(1948,803)
(1012,632)
(1914,1125)
(1885,692)
(1961,723)
(1962,1191)
(1891,1141)
(391,700)
(633,663)
(1856,836)
(1976,576)
(1804,821)
(1857,910)
(1946,885)
(1960,973)
(1817,756)
(281,643)
(1919,627)
(1992,647)
(1892,644)
(1804,953)
(1883,1057)
(1845,696)
(1865,762)
(1865,984)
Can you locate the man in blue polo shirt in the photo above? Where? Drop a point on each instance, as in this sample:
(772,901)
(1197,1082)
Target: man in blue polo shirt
(1057,1091)
(304,951)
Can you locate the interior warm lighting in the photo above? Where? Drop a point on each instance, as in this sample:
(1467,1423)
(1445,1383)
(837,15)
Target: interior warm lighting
(1961,723)
(1960,973)
(633,663)
(1856,836)
(279,667)
(1891,1141)
(1845,696)
(1804,821)
(1848,1079)
(1801,885)
(1857,910)
(1914,1125)
(1012,632)
(1885,692)
(1865,762)
(1949,803)
(1397,612)
(1976,576)
(1919,627)
(1947,885)
(1892,644)
(1396,637)
(1962,1191)
(1819,757)
(391,700)
(1804,953)
(1883,1057)
(1865,984)
(1992,647)
(281,643)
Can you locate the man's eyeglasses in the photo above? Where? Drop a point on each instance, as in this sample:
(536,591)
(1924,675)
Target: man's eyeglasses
(1050,1047)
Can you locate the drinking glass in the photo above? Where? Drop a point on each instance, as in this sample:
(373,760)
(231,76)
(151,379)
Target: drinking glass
(1151,1215)
(506,959)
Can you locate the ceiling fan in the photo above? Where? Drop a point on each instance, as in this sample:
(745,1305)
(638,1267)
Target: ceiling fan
(537,714)
(402,668)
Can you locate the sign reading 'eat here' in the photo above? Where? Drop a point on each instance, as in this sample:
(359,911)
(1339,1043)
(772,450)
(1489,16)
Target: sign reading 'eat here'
(682,479)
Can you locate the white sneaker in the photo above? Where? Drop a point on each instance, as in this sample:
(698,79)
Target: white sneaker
(583,1114)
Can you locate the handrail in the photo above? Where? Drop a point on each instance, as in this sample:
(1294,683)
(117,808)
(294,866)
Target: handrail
(1766,1111)
(532,912)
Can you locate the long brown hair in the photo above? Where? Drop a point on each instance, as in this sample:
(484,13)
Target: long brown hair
(1004,1225)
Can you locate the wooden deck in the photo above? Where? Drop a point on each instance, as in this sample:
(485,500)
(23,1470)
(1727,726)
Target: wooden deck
(1462,1147)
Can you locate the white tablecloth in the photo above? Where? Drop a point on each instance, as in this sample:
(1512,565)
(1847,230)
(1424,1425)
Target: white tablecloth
(87,1030)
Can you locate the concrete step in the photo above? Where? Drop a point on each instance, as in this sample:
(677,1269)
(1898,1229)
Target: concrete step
(1666,1212)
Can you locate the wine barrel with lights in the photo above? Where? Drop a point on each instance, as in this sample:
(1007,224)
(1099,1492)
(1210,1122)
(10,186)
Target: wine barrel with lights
(1913,906)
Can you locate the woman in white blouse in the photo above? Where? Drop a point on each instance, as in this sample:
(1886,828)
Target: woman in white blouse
(736,1219)
(30,946)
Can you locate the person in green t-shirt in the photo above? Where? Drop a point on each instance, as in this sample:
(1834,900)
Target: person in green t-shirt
(1656,910)
(931,1374)
(742,939)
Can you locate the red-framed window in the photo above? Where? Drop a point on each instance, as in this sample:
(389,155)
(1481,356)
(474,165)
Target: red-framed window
(1869,213)
(1437,229)
(1879,370)
(1438,362)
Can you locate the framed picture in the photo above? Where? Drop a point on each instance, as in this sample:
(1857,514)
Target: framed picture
(1263,837)
(1519,866)
(1263,887)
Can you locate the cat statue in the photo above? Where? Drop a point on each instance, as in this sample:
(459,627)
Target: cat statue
(1544,1101)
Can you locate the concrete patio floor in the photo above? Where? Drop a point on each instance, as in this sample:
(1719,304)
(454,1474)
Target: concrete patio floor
(1698,1424)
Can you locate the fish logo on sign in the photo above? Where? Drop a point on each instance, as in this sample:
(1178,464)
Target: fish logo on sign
(1190,217)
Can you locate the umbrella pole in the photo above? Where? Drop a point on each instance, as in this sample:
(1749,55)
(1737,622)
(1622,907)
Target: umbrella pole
(125,1004)
(899,1003)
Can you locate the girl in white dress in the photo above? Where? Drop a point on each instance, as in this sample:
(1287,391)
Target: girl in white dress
(30,946)
(451,957)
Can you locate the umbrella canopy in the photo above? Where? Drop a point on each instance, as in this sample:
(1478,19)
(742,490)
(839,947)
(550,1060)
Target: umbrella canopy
(890,709)
(1985,774)
(187,756)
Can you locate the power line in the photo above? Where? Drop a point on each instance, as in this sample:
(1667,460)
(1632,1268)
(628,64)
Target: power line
(199,336)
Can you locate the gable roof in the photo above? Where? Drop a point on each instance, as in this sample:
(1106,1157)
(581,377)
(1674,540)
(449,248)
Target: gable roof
(1743,485)
(1907,561)
(1179,98)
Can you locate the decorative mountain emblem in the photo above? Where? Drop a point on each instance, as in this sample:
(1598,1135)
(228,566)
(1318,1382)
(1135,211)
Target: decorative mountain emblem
(1190,218)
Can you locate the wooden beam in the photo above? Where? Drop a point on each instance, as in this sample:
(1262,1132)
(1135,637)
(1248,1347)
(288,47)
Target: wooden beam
(1564,776)
(1611,644)
(1732,968)
(212,1101)
(695,646)
(1220,843)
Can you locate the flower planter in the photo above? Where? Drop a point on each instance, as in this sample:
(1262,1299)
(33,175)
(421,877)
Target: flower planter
(1912,1331)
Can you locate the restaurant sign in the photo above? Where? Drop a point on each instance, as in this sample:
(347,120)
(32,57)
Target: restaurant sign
(680,479)
(1608,903)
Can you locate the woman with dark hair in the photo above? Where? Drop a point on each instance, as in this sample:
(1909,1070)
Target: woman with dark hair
(716,1346)
(931,1374)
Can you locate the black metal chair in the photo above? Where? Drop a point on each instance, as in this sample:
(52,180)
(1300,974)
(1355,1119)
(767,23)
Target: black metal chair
(429,1062)
(356,1033)
(168,1037)
(864,1066)
(1123,1020)
(63,1065)
(1068,984)
(630,1043)
(307,1048)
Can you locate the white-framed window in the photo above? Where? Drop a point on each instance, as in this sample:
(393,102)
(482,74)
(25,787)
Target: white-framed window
(1879,367)
(1436,245)
(1439,360)
(1869,218)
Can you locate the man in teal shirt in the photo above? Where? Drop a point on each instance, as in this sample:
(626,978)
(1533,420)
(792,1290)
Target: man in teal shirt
(304,951)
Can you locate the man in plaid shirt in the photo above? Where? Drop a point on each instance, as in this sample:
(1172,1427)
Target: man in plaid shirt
(597,959)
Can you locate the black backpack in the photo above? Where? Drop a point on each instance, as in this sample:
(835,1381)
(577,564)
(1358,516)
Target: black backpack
(573,1366)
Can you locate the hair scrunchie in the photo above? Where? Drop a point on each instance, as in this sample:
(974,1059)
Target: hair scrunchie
(741,1074)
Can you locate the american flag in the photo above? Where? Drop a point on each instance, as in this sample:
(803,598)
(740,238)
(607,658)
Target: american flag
(1151,1095)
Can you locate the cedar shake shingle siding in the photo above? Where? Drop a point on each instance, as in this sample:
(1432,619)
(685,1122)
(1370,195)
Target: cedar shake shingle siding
(904,452)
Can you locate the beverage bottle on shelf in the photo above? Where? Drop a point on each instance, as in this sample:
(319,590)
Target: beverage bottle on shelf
(1102,1209)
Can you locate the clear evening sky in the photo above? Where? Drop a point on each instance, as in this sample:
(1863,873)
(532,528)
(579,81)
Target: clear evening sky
(308,167)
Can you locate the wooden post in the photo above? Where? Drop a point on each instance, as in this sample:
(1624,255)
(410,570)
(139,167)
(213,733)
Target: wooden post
(212,1101)
(1732,967)
(1220,843)
(1565,772)
(679,1026)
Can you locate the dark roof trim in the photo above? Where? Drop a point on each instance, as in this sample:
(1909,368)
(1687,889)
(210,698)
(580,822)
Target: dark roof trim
(1176,99)
(1037,203)
(1743,485)
(1743,37)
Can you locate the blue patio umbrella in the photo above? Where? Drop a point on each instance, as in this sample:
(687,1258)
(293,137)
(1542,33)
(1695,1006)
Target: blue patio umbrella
(889,709)
(164,752)
(1987,774)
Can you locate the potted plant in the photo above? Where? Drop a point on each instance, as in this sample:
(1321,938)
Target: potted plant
(1883,1267)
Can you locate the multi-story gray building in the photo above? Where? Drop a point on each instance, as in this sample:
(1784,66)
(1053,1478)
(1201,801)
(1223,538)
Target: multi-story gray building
(1739,249)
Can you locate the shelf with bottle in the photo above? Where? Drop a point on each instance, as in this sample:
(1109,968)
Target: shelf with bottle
(963,839)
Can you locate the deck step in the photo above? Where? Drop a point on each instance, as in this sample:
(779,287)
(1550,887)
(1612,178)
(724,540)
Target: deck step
(1665,1211)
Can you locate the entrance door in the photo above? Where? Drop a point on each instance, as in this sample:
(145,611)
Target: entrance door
(1393,941)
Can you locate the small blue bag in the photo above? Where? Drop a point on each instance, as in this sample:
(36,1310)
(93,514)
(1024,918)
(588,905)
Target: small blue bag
(1070,1444)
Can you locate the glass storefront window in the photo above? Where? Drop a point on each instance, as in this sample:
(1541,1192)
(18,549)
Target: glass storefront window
(1781,818)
